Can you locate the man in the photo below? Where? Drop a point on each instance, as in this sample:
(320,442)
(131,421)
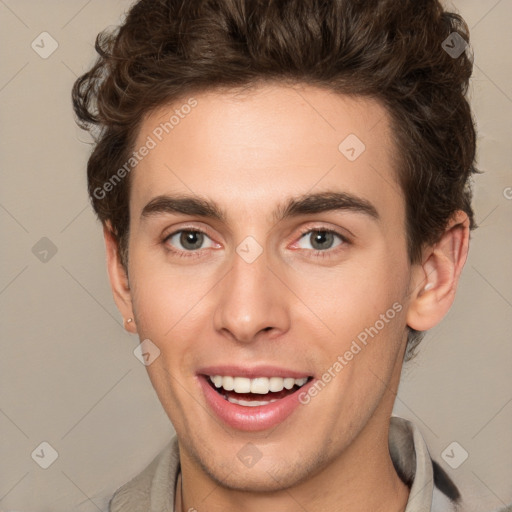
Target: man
(284,193)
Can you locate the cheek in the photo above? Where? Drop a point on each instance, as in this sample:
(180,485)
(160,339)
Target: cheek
(166,307)
(366,316)
(164,295)
(354,295)
(169,305)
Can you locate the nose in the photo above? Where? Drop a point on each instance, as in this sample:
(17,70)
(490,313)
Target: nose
(251,300)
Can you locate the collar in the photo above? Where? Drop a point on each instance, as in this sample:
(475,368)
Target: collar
(153,490)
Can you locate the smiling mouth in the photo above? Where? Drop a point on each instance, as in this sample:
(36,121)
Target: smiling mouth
(255,392)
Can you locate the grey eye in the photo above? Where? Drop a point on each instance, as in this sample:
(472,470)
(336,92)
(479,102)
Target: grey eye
(189,240)
(320,240)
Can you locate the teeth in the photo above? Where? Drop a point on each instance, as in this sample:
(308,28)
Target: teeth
(228,383)
(259,385)
(250,403)
(241,385)
(217,381)
(276,384)
(289,383)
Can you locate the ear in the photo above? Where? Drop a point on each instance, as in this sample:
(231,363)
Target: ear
(118,279)
(434,281)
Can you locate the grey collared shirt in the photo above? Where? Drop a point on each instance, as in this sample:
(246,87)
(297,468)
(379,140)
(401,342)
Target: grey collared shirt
(153,490)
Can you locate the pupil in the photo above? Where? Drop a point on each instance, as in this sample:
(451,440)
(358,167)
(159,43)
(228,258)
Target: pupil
(322,236)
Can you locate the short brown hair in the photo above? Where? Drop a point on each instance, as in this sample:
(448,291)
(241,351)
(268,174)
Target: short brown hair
(389,50)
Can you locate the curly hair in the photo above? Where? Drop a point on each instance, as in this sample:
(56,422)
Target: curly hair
(393,51)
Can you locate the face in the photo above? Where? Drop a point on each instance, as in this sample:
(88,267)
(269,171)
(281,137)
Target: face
(266,242)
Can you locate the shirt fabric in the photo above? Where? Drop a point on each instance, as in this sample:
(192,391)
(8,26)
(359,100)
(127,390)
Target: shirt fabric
(154,489)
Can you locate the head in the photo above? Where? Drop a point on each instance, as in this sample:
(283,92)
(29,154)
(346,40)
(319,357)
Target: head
(337,137)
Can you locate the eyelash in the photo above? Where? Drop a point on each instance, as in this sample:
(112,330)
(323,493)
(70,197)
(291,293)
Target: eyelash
(328,253)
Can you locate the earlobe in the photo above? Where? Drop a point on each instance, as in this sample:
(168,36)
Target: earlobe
(129,325)
(118,279)
(435,280)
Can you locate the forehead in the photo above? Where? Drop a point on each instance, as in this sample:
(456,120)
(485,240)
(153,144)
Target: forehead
(272,141)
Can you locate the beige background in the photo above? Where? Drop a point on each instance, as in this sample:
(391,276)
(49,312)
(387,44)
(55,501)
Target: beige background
(68,375)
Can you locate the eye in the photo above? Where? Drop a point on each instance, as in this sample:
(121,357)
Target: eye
(321,239)
(189,240)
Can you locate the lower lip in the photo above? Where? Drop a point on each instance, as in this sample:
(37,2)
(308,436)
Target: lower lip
(260,417)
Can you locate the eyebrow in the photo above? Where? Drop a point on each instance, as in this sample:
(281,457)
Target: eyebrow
(307,204)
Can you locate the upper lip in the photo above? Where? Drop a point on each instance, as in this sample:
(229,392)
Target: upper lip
(252,372)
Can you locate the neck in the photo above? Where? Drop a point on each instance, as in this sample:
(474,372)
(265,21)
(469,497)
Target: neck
(362,478)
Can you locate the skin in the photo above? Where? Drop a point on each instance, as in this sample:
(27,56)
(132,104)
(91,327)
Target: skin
(289,308)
